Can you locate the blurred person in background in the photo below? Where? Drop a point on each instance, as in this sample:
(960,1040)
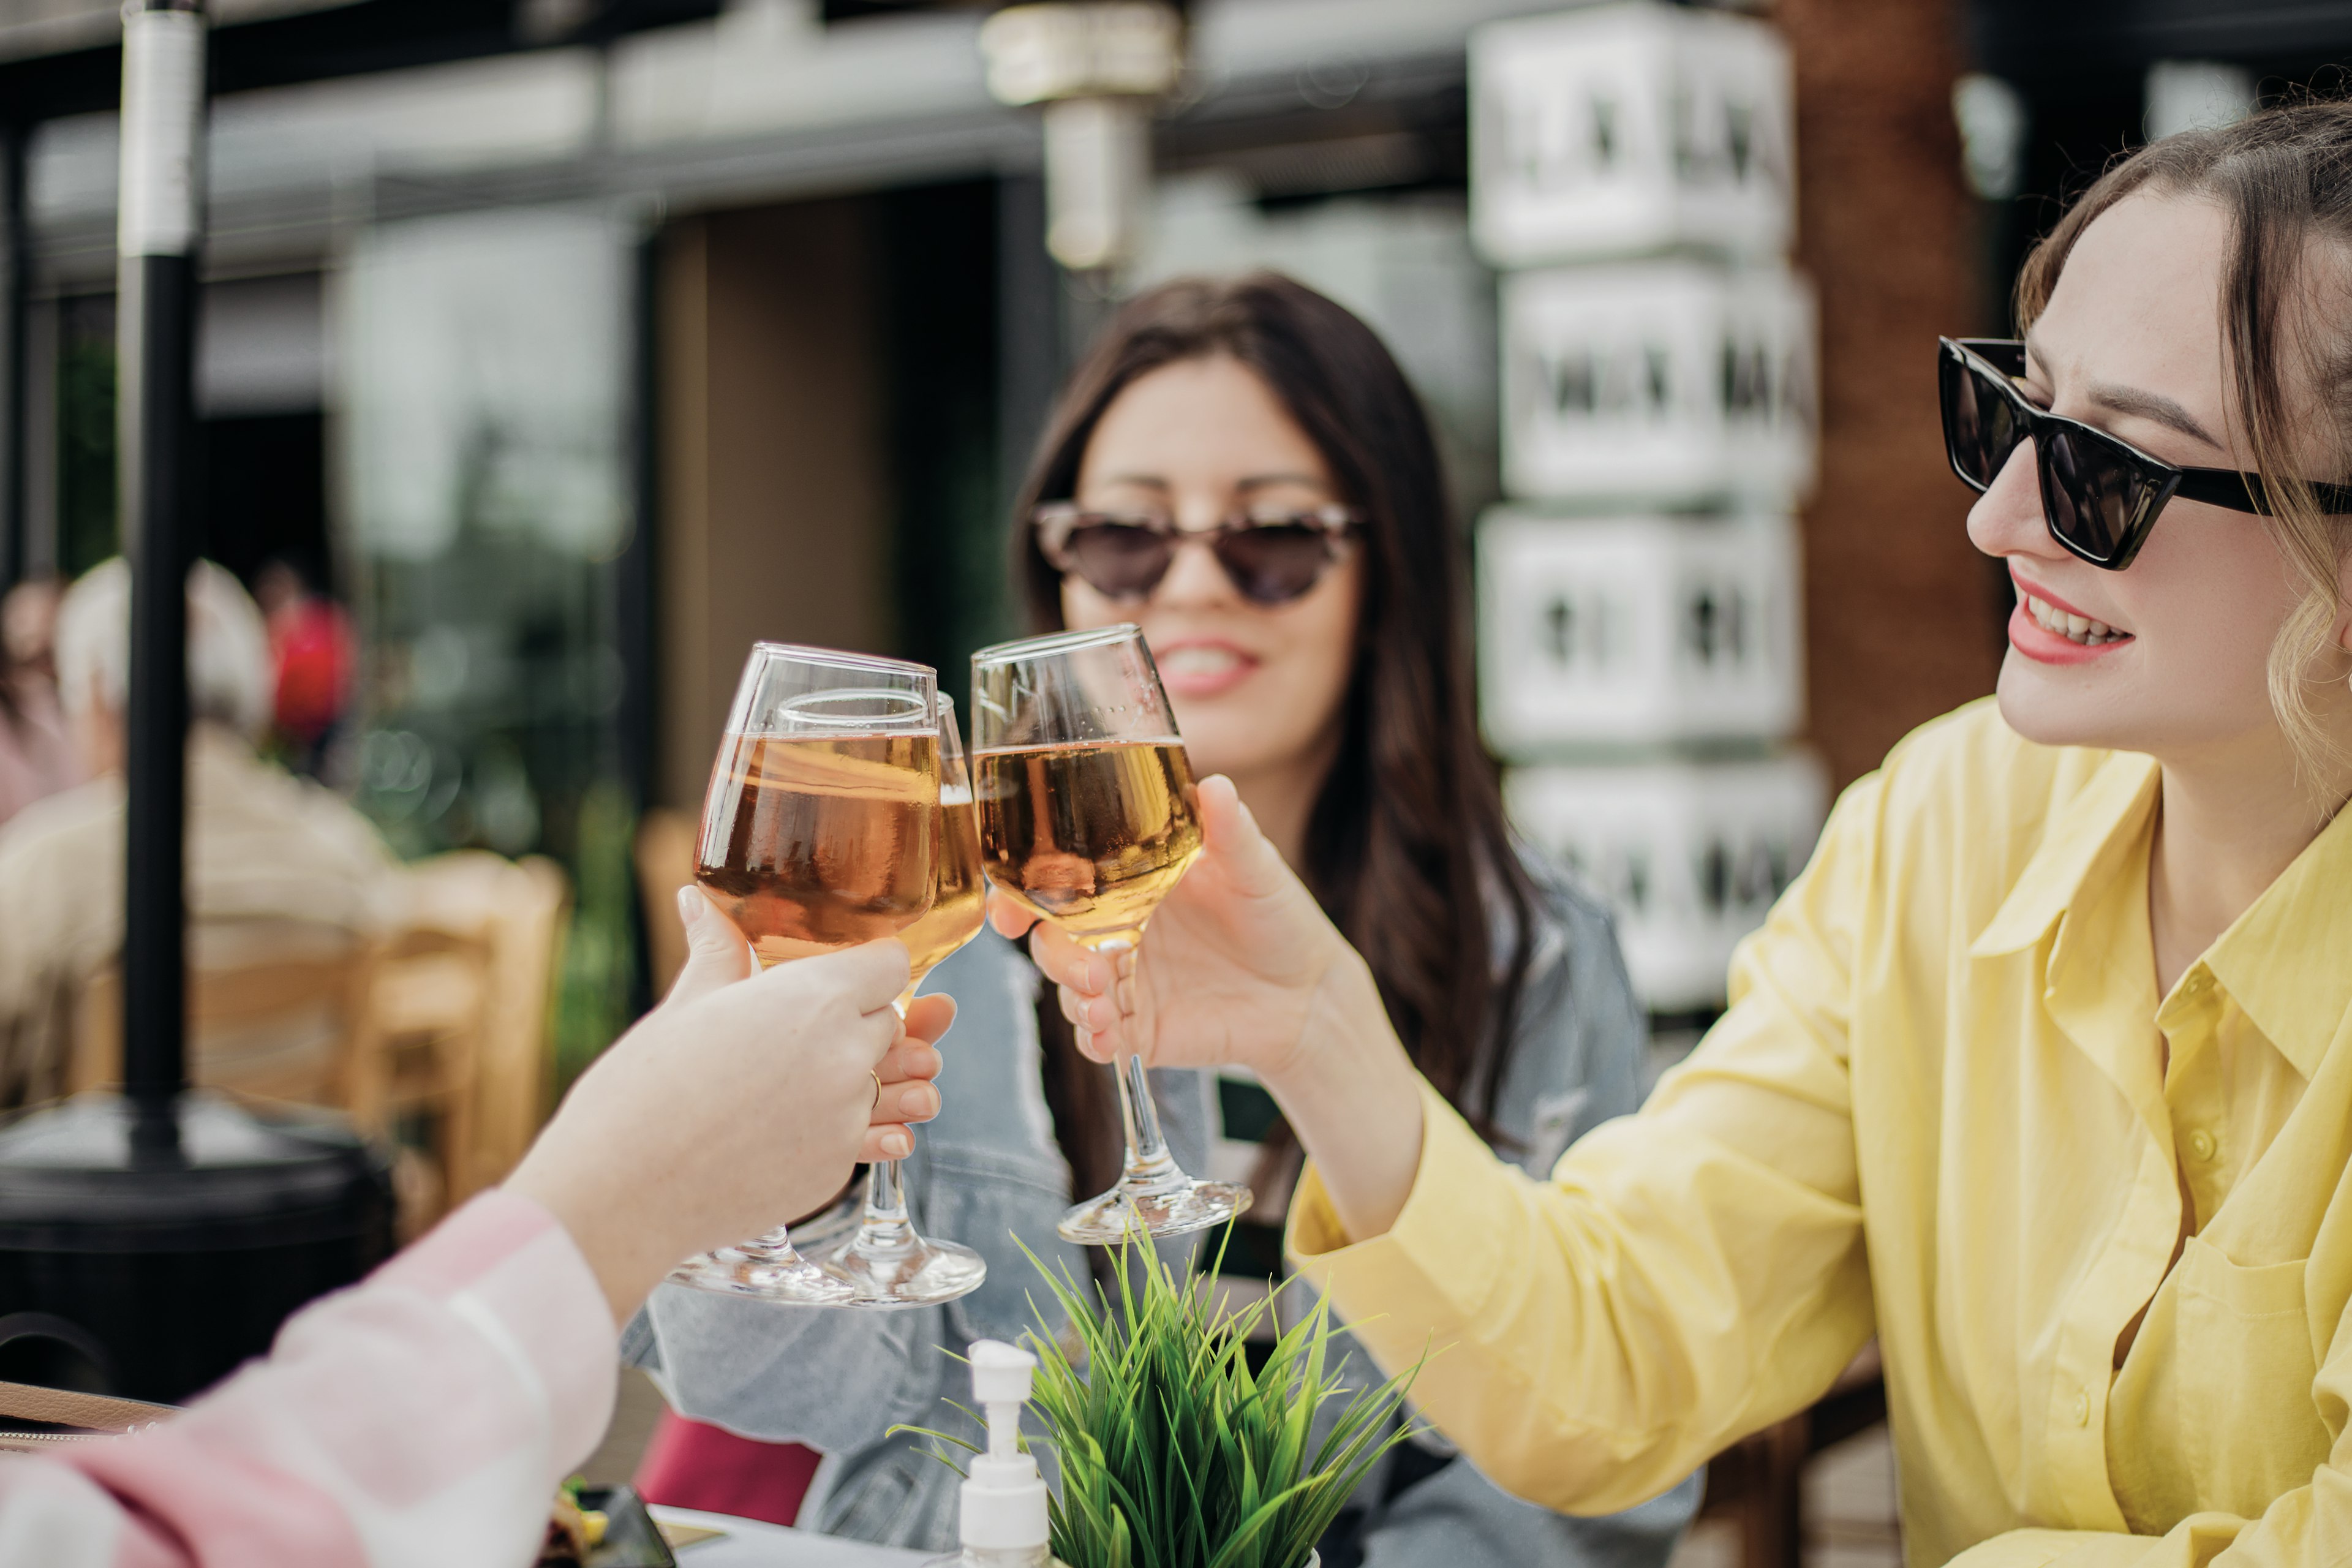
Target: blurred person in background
(1242,467)
(311,651)
(2040,1072)
(36,755)
(261,845)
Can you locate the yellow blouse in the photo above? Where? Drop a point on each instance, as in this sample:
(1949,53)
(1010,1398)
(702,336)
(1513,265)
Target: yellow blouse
(1938,1111)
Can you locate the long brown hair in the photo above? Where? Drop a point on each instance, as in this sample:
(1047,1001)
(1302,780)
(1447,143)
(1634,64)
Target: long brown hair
(2285,177)
(1407,848)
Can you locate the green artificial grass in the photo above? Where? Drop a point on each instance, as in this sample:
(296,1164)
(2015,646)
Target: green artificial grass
(1173,1454)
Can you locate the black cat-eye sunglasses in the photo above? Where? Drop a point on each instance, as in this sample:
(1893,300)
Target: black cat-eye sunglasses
(2100,496)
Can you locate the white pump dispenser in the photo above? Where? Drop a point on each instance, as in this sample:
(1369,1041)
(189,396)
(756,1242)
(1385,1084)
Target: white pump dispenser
(1004,1521)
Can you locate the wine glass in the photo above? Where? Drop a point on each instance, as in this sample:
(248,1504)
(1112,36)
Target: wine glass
(887,1260)
(1087,819)
(817,834)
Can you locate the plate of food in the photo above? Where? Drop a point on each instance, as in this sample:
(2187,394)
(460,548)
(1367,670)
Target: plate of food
(603,1527)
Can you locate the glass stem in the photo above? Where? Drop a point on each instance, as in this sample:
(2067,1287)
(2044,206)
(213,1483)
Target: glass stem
(886,1229)
(1150,1167)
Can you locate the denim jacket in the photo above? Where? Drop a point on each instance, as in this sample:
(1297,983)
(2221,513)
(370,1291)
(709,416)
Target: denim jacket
(988,1170)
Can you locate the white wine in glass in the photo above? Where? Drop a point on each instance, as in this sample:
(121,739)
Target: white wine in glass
(1092,835)
(1087,819)
(818,833)
(886,1260)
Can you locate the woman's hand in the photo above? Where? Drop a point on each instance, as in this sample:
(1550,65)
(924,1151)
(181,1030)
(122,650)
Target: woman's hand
(1236,963)
(1239,966)
(718,955)
(743,1099)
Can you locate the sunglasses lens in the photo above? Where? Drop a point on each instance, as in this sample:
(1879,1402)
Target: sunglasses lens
(1274,564)
(2093,495)
(1117,560)
(1980,427)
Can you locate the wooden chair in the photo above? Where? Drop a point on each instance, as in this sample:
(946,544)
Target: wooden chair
(664,857)
(1758,1483)
(279,1010)
(471,912)
(430,1013)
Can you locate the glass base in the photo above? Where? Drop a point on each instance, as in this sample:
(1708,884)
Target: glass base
(1172,1210)
(767,1269)
(918,1272)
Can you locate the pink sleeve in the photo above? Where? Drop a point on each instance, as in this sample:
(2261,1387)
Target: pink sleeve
(425,1416)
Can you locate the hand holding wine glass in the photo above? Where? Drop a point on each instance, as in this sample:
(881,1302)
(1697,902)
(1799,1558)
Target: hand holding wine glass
(1087,820)
(1241,966)
(1229,972)
(662,1147)
(817,834)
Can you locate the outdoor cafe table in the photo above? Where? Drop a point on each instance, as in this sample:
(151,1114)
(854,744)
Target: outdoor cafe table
(754,1543)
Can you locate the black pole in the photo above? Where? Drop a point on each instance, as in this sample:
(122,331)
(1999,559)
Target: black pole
(163,116)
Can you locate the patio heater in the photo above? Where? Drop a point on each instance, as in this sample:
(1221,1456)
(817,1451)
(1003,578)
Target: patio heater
(152,1240)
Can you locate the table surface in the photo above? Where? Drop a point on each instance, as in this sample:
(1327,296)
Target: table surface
(754,1543)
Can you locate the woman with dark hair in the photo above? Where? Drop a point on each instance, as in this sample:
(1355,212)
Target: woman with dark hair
(1314,648)
(2040,1073)
(1242,469)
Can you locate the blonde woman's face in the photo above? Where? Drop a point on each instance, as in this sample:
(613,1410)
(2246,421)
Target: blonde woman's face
(2132,342)
(1256,687)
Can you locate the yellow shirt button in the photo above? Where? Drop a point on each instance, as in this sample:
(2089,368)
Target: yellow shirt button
(2082,1409)
(2200,1143)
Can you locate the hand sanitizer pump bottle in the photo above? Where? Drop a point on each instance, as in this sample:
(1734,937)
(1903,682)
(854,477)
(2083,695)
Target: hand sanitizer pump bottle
(1004,1523)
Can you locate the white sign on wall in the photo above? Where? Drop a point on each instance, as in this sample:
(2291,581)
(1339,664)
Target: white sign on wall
(1637,631)
(1674,381)
(1629,128)
(1689,855)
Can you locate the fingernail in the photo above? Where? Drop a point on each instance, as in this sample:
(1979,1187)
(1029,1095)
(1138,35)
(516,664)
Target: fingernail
(689,906)
(898,1145)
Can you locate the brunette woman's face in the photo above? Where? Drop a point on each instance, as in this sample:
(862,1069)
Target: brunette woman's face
(1258,689)
(2131,342)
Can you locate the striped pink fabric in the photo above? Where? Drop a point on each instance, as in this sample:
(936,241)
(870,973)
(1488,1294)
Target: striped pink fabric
(423,1416)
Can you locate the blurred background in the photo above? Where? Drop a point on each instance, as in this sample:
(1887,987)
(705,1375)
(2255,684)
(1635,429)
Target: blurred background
(552,351)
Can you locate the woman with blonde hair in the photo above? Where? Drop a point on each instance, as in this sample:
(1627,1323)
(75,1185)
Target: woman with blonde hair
(2042,1072)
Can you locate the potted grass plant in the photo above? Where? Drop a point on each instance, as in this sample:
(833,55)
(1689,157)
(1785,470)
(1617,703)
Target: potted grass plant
(1173,1451)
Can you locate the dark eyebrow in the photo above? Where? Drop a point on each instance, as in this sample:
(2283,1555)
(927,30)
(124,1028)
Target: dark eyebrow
(1263,481)
(2152,405)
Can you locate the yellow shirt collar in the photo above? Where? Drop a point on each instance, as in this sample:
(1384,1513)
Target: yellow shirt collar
(2095,829)
(2286,961)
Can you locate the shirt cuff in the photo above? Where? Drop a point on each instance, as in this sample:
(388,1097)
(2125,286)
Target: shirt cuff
(1437,1265)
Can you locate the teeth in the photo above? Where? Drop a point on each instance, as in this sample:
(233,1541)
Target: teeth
(1199,661)
(2072,627)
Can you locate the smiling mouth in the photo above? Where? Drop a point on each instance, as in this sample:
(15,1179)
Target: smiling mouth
(2075,628)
